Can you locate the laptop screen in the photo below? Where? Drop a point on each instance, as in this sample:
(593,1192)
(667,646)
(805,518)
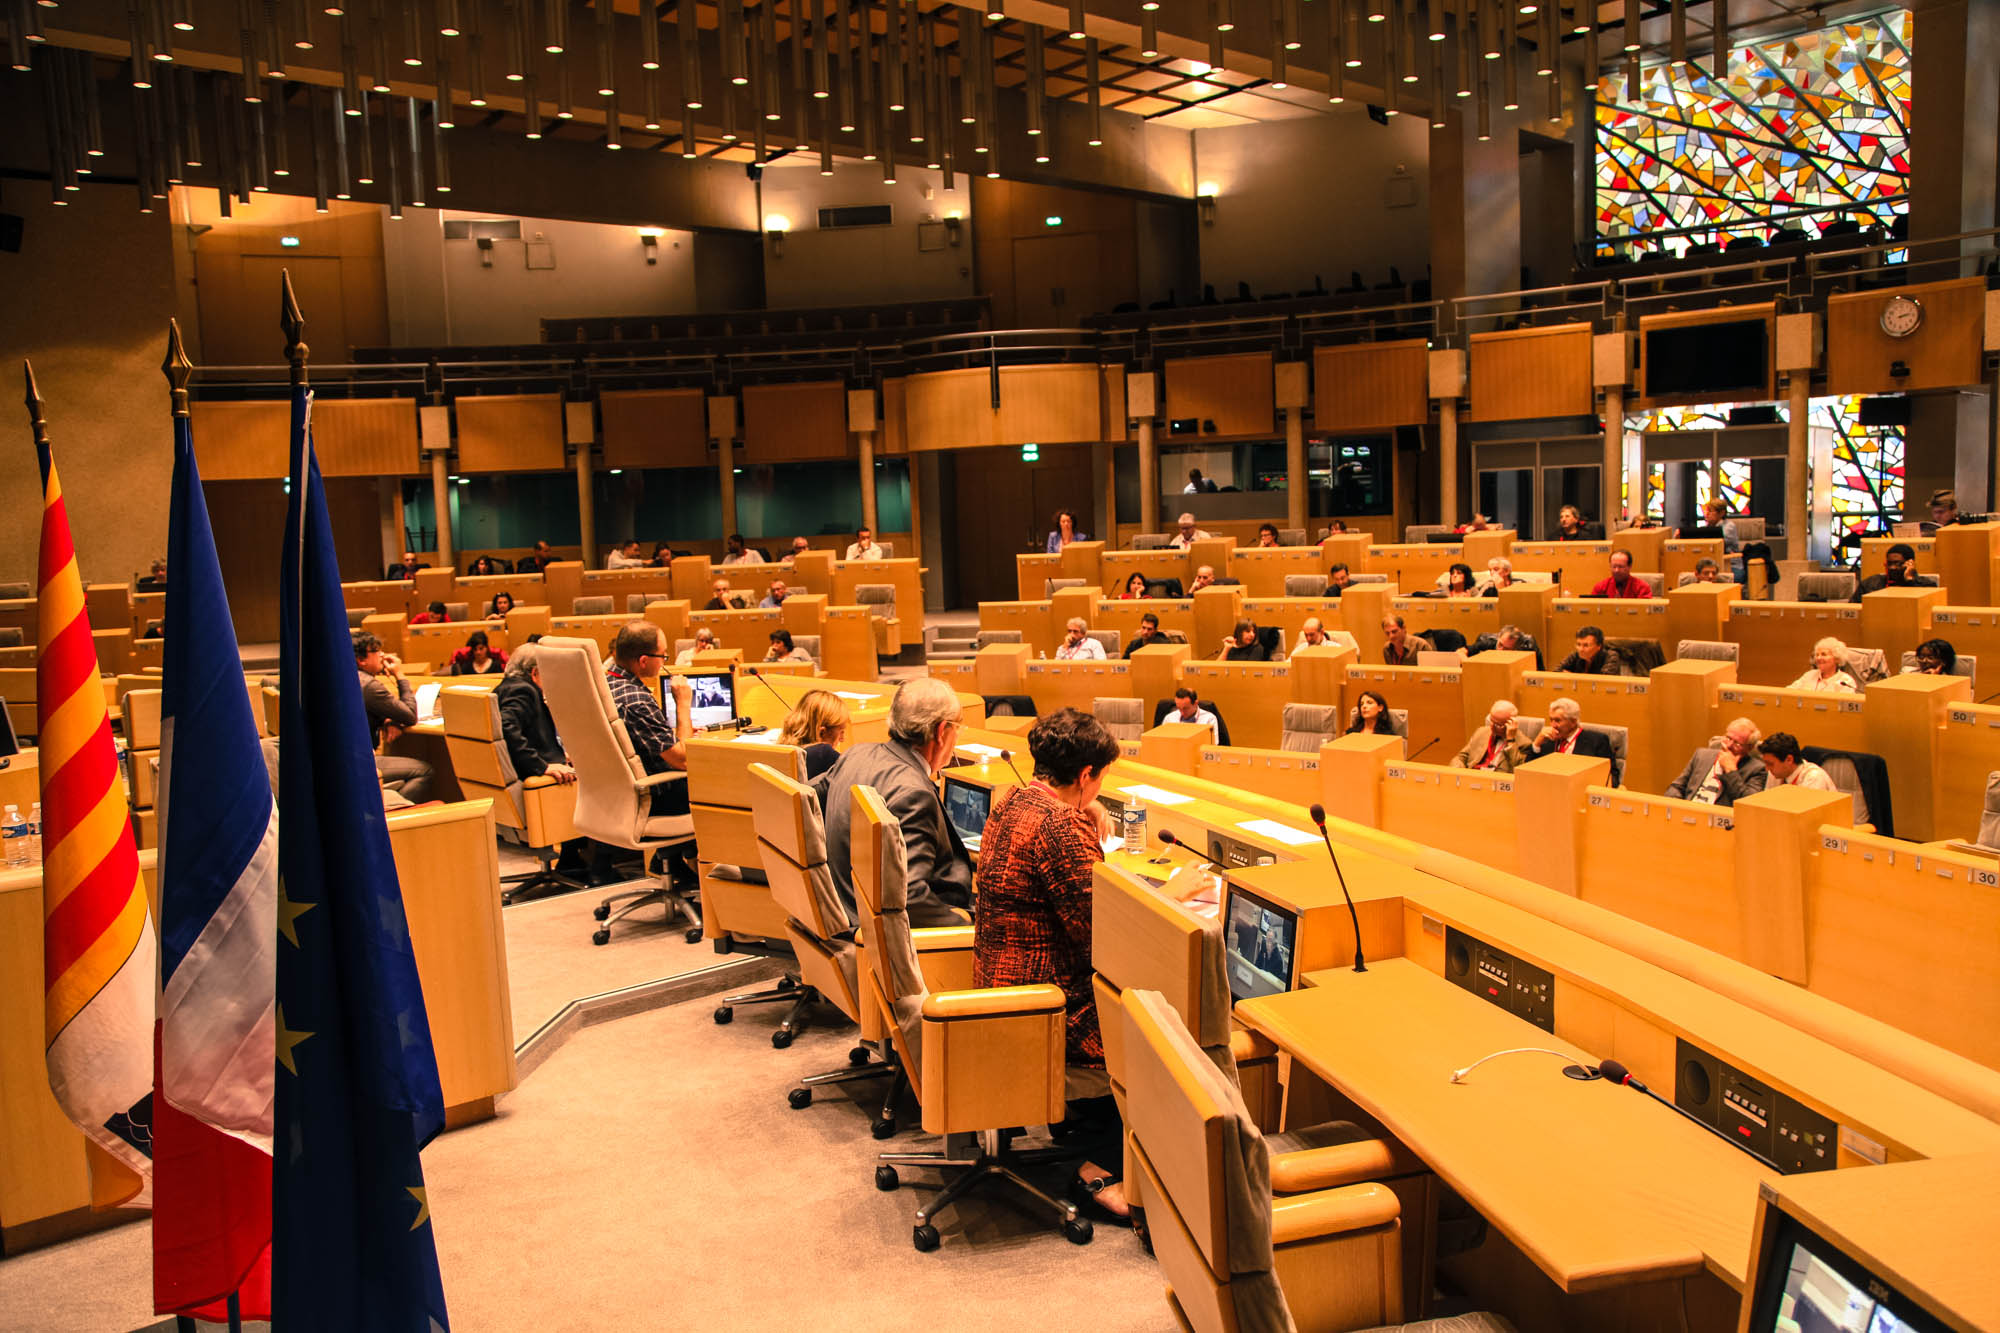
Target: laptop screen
(967,806)
(713,700)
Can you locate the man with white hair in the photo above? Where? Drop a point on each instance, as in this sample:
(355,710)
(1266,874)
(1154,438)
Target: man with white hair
(1725,773)
(1563,733)
(1189,533)
(704,640)
(923,729)
(1496,744)
(1499,574)
(1077,645)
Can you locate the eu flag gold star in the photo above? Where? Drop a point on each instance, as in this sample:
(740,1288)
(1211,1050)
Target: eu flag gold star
(287,1039)
(288,913)
(418,1193)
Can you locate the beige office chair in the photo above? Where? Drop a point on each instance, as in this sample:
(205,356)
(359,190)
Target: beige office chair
(1125,719)
(880,599)
(1654,580)
(591,606)
(1835,585)
(1231,1256)
(1050,587)
(1708,650)
(15,592)
(980,1061)
(637,602)
(1306,727)
(1416,534)
(1291,536)
(457,610)
(614,792)
(1107,639)
(1619,739)
(535,812)
(1152,541)
(11,636)
(1305,585)
(986,638)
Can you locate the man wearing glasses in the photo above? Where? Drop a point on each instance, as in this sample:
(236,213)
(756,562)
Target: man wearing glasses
(637,655)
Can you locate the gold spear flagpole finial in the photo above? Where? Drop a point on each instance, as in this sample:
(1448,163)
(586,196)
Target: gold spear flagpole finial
(294,324)
(177,368)
(34,402)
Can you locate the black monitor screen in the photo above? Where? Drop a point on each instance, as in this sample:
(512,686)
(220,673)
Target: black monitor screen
(10,744)
(1807,1285)
(966,806)
(1714,359)
(713,701)
(1260,943)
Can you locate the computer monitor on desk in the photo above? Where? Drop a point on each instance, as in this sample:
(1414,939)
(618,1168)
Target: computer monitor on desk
(967,805)
(712,700)
(1260,941)
(1805,1284)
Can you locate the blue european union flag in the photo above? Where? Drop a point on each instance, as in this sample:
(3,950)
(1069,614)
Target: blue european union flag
(357,1092)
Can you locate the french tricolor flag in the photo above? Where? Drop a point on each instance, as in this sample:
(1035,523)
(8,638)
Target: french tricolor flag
(218,883)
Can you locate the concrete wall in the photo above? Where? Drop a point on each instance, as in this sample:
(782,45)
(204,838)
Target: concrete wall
(1306,196)
(863,265)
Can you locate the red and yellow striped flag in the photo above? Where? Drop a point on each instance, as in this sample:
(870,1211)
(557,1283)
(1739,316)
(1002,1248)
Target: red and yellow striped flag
(99,960)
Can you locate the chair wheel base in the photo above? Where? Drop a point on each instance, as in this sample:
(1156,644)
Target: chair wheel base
(723,1015)
(788,983)
(781,1039)
(886,1178)
(858,1056)
(884,1128)
(601,912)
(800,1098)
(601,936)
(925,1238)
(693,935)
(1077,1231)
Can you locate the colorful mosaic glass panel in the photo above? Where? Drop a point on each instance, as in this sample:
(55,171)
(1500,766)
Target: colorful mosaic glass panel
(1867,481)
(1818,121)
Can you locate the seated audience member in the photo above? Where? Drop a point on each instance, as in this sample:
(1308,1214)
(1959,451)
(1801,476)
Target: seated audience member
(407,567)
(800,546)
(817,724)
(1457,581)
(1563,733)
(503,602)
(536,561)
(1034,919)
(1592,656)
(1196,483)
(864,546)
(1944,509)
(1400,647)
(663,556)
(1621,583)
(723,599)
(776,596)
(1135,588)
(739,552)
(1371,716)
(1495,744)
(1570,526)
(1780,753)
(536,750)
(483,565)
(704,641)
(1510,639)
(1715,514)
(1935,657)
(1829,673)
(156,576)
(637,654)
(1267,534)
(1899,570)
(1338,580)
(1707,571)
(1065,532)
(434,614)
(626,556)
(1187,708)
(476,658)
(1189,534)
(392,708)
(1312,634)
(924,721)
(1244,644)
(1724,774)
(1499,574)
(1077,645)
(1204,577)
(782,648)
(1148,635)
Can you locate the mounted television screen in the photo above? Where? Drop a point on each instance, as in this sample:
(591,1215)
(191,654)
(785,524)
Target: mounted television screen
(1716,361)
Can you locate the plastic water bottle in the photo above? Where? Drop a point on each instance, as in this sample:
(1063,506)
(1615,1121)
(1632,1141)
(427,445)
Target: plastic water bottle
(15,830)
(35,835)
(1134,821)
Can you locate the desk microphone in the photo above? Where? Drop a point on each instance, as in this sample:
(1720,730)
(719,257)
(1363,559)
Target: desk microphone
(758,676)
(1318,813)
(727,724)
(1420,749)
(1167,837)
(1007,757)
(1615,1072)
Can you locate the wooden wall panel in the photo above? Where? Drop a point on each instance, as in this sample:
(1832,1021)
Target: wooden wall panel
(788,422)
(1049,405)
(1735,314)
(241,441)
(1117,425)
(337,271)
(893,437)
(366,437)
(249,522)
(948,409)
(1524,374)
(1943,353)
(510,432)
(1235,392)
(654,428)
(1364,386)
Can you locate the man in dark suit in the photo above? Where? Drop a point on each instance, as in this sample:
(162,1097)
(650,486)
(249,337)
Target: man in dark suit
(923,729)
(1591,657)
(525,722)
(1724,774)
(1563,733)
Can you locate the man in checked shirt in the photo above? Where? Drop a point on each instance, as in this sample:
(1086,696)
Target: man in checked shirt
(638,654)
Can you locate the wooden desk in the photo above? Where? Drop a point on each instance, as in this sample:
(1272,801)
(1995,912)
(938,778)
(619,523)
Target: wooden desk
(906,575)
(1032,574)
(1618,617)
(1262,569)
(1434,696)
(1968,563)
(1615,701)
(1583,565)
(1411,566)
(1123,615)
(1681,556)
(1470,616)
(1029,619)
(1647,545)
(1775,639)
(1251,697)
(1838,721)
(1118,567)
(1054,685)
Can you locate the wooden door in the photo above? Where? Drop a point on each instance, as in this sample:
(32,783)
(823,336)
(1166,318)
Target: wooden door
(1002,507)
(229,339)
(1056,279)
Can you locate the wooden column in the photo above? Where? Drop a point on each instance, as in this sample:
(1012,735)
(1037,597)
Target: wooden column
(1447,385)
(586,506)
(722,430)
(1798,468)
(861,420)
(1610,363)
(441,489)
(917,512)
(1290,398)
(1141,390)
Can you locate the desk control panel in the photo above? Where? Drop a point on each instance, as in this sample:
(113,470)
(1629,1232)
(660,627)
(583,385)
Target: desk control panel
(1235,855)
(1500,978)
(1753,1115)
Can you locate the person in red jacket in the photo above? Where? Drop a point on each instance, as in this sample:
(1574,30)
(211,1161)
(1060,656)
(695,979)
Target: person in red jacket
(1621,583)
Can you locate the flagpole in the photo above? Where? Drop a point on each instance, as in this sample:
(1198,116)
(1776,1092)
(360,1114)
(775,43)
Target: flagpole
(177,368)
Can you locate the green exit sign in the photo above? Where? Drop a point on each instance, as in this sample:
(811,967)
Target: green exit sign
(1031,453)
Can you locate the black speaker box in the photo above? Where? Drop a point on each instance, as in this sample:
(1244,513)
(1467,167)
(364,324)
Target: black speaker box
(11,225)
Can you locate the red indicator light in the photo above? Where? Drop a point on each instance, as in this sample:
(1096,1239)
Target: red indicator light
(1744,1130)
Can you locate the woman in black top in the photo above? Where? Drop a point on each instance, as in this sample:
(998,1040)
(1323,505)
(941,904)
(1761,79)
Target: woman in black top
(1458,581)
(818,723)
(1244,644)
(1371,716)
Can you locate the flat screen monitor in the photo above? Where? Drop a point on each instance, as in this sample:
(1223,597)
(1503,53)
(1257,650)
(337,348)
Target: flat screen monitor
(1719,360)
(10,744)
(1806,1284)
(966,805)
(713,700)
(1260,942)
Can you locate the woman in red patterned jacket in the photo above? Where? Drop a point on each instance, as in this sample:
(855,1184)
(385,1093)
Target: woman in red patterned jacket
(1032,922)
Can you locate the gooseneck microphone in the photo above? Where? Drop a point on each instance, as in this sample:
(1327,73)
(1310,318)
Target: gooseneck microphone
(1318,813)
(758,676)
(1420,749)
(1007,757)
(1167,838)
(1615,1072)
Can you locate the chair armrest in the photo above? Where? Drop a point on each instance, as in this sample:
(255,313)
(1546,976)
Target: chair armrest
(1335,1165)
(1333,1212)
(1246,1045)
(539,780)
(655,779)
(941,937)
(944,956)
(992,1002)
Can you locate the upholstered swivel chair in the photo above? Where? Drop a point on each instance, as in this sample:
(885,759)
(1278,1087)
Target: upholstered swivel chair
(1708,650)
(1125,719)
(592,606)
(1107,639)
(1050,587)
(1305,585)
(535,812)
(614,792)
(1306,727)
(981,1061)
(1619,739)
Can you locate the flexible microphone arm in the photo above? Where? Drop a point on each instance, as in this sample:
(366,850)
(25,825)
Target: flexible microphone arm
(758,676)
(1168,839)
(1616,1072)
(1318,813)
(1421,748)
(1007,756)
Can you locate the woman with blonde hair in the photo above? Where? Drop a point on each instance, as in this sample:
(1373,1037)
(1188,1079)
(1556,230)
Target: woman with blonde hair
(818,724)
(1829,673)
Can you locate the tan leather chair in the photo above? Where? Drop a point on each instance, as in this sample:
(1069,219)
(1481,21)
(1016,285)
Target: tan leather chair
(979,1060)
(1125,719)
(1231,1256)
(1306,727)
(535,812)
(614,792)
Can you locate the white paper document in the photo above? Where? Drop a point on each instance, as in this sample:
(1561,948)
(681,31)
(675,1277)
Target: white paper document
(1270,828)
(1155,796)
(983,751)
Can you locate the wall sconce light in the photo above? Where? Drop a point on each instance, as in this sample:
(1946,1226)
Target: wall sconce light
(954,226)
(485,244)
(775,227)
(1205,194)
(649,242)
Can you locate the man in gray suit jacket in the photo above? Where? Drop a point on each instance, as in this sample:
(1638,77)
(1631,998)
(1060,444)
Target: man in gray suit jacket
(1724,774)
(923,728)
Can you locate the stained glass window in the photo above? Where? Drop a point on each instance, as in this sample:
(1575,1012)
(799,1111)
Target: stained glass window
(1819,121)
